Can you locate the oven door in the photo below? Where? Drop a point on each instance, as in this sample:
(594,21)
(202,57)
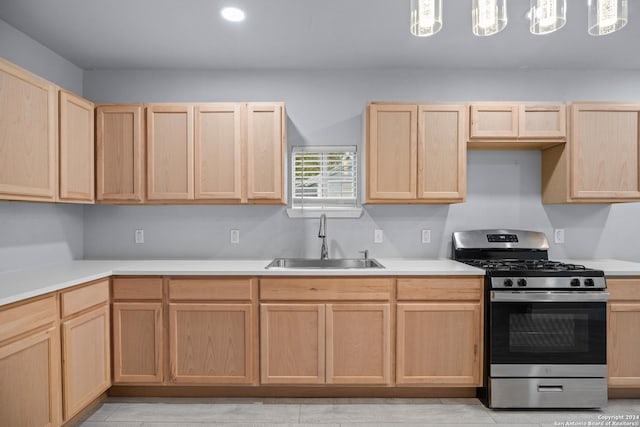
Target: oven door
(547,328)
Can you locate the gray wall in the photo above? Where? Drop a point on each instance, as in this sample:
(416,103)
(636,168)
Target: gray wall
(326,107)
(24,51)
(33,234)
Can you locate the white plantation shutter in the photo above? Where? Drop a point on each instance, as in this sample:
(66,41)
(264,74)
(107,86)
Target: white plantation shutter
(324,177)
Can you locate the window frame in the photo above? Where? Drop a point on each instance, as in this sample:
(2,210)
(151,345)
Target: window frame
(328,206)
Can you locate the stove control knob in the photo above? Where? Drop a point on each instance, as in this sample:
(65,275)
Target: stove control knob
(588,282)
(522,282)
(575,282)
(508,283)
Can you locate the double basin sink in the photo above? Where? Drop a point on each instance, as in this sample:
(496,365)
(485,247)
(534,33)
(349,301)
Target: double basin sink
(311,263)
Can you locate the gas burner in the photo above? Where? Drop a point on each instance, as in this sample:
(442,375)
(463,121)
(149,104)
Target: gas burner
(516,259)
(523,265)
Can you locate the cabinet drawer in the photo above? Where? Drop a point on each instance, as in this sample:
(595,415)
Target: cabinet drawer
(144,288)
(21,318)
(79,299)
(313,289)
(624,289)
(223,289)
(440,288)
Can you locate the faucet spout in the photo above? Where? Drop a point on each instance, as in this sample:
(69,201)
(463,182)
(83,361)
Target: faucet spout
(322,234)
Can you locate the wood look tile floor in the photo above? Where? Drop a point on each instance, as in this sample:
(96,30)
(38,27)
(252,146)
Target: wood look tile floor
(272,412)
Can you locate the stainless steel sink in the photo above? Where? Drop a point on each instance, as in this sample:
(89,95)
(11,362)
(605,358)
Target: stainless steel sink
(336,263)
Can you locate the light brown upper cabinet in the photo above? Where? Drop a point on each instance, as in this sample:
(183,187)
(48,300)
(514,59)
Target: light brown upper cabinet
(600,163)
(517,125)
(76,149)
(218,151)
(169,152)
(265,151)
(392,152)
(120,153)
(416,153)
(28,135)
(442,153)
(205,153)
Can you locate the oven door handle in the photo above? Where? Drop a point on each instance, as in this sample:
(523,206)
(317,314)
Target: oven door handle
(546,296)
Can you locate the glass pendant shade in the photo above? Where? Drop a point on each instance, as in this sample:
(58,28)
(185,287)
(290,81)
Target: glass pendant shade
(607,16)
(488,17)
(426,17)
(547,16)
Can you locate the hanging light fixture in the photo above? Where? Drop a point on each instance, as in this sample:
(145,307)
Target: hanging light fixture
(607,16)
(426,17)
(488,17)
(547,16)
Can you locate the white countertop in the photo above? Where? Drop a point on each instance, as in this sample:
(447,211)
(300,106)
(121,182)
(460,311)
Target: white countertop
(17,286)
(20,285)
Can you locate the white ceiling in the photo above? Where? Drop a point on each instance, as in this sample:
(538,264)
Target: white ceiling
(305,34)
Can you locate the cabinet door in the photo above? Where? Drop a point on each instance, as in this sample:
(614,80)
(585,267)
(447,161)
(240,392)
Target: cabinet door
(358,344)
(292,343)
(211,343)
(169,152)
(218,152)
(76,148)
(604,151)
(30,391)
(85,359)
(439,344)
(623,343)
(119,153)
(137,342)
(28,135)
(265,150)
(442,148)
(494,121)
(542,121)
(391,152)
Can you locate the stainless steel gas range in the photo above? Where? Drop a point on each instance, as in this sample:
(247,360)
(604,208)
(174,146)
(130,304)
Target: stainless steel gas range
(545,325)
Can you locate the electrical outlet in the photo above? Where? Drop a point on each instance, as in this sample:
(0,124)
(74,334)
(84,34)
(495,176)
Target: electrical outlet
(234,237)
(426,236)
(139,236)
(558,235)
(378,237)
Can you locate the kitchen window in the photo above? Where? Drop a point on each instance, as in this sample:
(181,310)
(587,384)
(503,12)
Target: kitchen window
(324,180)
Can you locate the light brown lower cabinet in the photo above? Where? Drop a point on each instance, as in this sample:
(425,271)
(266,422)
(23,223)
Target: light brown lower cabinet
(358,344)
(292,343)
(439,344)
(351,340)
(30,391)
(86,345)
(211,343)
(623,339)
(138,330)
(137,342)
(439,331)
(86,363)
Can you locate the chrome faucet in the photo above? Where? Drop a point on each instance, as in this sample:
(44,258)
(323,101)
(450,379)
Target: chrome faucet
(322,234)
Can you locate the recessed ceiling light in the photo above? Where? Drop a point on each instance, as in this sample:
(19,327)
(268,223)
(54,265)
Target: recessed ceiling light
(233,14)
